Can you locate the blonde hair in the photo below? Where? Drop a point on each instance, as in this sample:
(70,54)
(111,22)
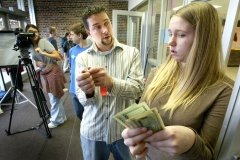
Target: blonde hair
(204,66)
(51,29)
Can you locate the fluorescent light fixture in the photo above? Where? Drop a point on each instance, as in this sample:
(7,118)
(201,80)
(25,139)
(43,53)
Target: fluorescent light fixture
(176,8)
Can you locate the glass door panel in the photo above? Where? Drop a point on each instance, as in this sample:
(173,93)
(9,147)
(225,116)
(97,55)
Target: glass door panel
(127,27)
(161,11)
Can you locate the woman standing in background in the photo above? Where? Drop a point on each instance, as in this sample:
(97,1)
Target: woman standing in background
(45,56)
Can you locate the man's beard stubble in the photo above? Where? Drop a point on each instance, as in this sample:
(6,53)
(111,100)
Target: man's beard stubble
(106,44)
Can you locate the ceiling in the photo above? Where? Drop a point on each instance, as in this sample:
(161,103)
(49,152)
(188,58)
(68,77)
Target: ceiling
(222,10)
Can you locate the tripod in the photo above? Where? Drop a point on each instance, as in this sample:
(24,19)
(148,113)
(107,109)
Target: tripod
(17,97)
(39,97)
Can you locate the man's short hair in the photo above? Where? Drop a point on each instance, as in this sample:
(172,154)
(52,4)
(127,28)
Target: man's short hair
(52,29)
(78,28)
(89,11)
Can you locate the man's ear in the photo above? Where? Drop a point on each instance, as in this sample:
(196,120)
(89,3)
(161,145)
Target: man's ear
(88,32)
(80,35)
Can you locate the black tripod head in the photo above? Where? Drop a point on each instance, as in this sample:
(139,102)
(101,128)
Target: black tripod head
(22,42)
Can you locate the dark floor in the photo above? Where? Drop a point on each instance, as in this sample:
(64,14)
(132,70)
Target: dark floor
(32,144)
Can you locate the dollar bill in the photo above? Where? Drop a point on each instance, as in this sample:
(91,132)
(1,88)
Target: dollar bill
(131,111)
(149,119)
(140,115)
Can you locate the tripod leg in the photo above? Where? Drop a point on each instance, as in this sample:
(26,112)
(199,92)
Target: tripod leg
(39,97)
(5,95)
(43,110)
(13,98)
(26,98)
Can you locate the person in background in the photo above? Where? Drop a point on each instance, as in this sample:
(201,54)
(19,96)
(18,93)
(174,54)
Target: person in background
(52,34)
(64,39)
(66,47)
(45,57)
(52,40)
(109,79)
(190,90)
(78,36)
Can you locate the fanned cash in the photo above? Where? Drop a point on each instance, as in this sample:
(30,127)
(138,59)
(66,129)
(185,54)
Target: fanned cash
(131,111)
(140,115)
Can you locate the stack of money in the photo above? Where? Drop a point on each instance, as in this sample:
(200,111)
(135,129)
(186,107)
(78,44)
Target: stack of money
(140,115)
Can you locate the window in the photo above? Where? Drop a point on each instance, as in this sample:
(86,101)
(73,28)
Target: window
(14,24)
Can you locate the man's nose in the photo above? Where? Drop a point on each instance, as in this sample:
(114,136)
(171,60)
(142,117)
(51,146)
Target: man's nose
(104,29)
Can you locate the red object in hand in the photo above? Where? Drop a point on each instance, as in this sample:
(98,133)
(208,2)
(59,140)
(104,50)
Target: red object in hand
(103,91)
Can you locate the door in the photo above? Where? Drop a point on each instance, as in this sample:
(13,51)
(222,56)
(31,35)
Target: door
(128,28)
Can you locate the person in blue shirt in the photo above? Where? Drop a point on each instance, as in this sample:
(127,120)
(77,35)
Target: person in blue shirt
(51,39)
(78,36)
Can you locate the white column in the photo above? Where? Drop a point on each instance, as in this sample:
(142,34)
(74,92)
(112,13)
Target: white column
(21,5)
(31,12)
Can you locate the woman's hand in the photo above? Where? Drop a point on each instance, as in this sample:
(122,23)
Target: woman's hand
(38,50)
(133,138)
(40,64)
(173,140)
(61,55)
(53,55)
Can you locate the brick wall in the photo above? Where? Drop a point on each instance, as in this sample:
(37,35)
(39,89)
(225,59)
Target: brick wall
(62,14)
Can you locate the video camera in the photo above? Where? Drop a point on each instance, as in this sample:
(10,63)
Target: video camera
(22,42)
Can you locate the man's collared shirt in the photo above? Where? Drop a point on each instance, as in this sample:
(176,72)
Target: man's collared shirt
(123,64)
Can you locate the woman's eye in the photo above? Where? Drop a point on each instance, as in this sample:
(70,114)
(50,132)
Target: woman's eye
(181,35)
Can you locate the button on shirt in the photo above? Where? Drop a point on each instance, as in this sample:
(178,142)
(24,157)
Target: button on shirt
(123,64)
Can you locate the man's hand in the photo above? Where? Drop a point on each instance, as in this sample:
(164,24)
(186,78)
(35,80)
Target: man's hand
(96,76)
(85,82)
(100,77)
